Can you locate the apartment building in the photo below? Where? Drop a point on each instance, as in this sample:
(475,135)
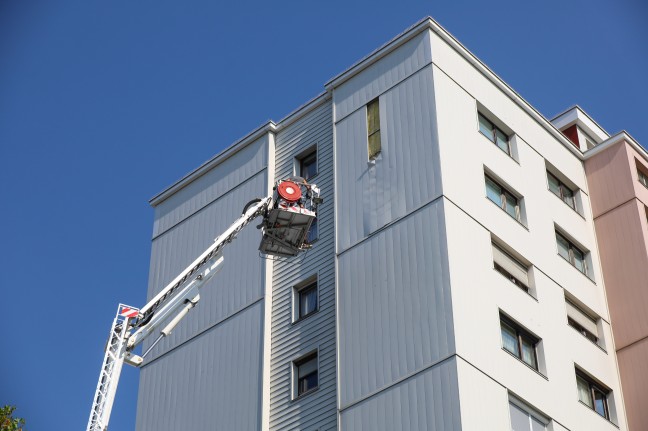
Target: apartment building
(454,282)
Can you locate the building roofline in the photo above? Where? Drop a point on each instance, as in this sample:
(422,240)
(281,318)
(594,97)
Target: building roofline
(267,127)
(583,119)
(622,136)
(429,23)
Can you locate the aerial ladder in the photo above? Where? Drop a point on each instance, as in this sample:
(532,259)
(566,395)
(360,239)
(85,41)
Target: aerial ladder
(287,217)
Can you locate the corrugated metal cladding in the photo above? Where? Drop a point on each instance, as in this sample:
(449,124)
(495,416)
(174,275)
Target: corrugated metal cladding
(406,174)
(316,411)
(428,401)
(208,374)
(209,187)
(211,383)
(238,284)
(395,311)
(381,76)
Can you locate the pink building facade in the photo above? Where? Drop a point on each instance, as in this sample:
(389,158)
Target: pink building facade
(617,176)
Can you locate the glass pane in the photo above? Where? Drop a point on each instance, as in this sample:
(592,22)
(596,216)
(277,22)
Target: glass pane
(528,352)
(600,403)
(374,145)
(486,127)
(307,383)
(568,197)
(509,339)
(307,301)
(563,247)
(307,367)
(502,141)
(519,418)
(511,206)
(554,184)
(584,391)
(309,166)
(312,232)
(579,260)
(493,192)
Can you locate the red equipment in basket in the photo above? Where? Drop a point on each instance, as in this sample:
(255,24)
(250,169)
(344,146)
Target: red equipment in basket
(289,191)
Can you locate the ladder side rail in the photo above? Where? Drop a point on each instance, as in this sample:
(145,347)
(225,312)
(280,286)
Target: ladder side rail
(226,237)
(109,375)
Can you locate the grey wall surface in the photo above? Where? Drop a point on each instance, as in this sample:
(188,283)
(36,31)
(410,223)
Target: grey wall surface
(428,401)
(316,411)
(208,373)
(238,284)
(209,383)
(405,174)
(394,305)
(209,187)
(382,75)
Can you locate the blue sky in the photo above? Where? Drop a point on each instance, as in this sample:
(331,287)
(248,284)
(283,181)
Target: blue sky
(104,104)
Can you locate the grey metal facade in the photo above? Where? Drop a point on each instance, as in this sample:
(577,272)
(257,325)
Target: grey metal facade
(208,374)
(292,339)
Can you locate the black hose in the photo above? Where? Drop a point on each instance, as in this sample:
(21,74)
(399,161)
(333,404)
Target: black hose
(247,205)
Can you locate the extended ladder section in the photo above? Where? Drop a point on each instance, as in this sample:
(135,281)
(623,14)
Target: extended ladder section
(287,216)
(112,363)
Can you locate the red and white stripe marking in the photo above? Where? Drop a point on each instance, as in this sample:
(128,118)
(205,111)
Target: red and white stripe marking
(129,312)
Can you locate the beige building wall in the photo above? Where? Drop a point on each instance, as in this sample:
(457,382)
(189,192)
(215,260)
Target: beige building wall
(619,203)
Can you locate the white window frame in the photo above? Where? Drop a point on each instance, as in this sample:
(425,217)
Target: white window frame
(295,364)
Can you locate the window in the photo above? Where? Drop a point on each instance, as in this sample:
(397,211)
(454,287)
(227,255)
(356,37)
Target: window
(502,198)
(579,320)
(511,268)
(519,342)
(307,300)
(494,134)
(572,254)
(643,178)
(308,165)
(523,420)
(373,129)
(561,190)
(592,394)
(305,371)
(311,236)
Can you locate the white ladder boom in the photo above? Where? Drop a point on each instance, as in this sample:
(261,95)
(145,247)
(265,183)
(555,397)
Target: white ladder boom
(110,371)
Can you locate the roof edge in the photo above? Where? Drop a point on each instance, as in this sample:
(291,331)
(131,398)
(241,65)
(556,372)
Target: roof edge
(380,52)
(622,136)
(428,23)
(216,160)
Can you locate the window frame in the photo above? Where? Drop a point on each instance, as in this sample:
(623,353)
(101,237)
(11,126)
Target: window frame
(642,177)
(297,291)
(311,153)
(504,193)
(373,118)
(313,226)
(594,388)
(571,259)
(561,195)
(301,291)
(297,379)
(572,321)
(493,133)
(520,335)
(531,413)
(506,274)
